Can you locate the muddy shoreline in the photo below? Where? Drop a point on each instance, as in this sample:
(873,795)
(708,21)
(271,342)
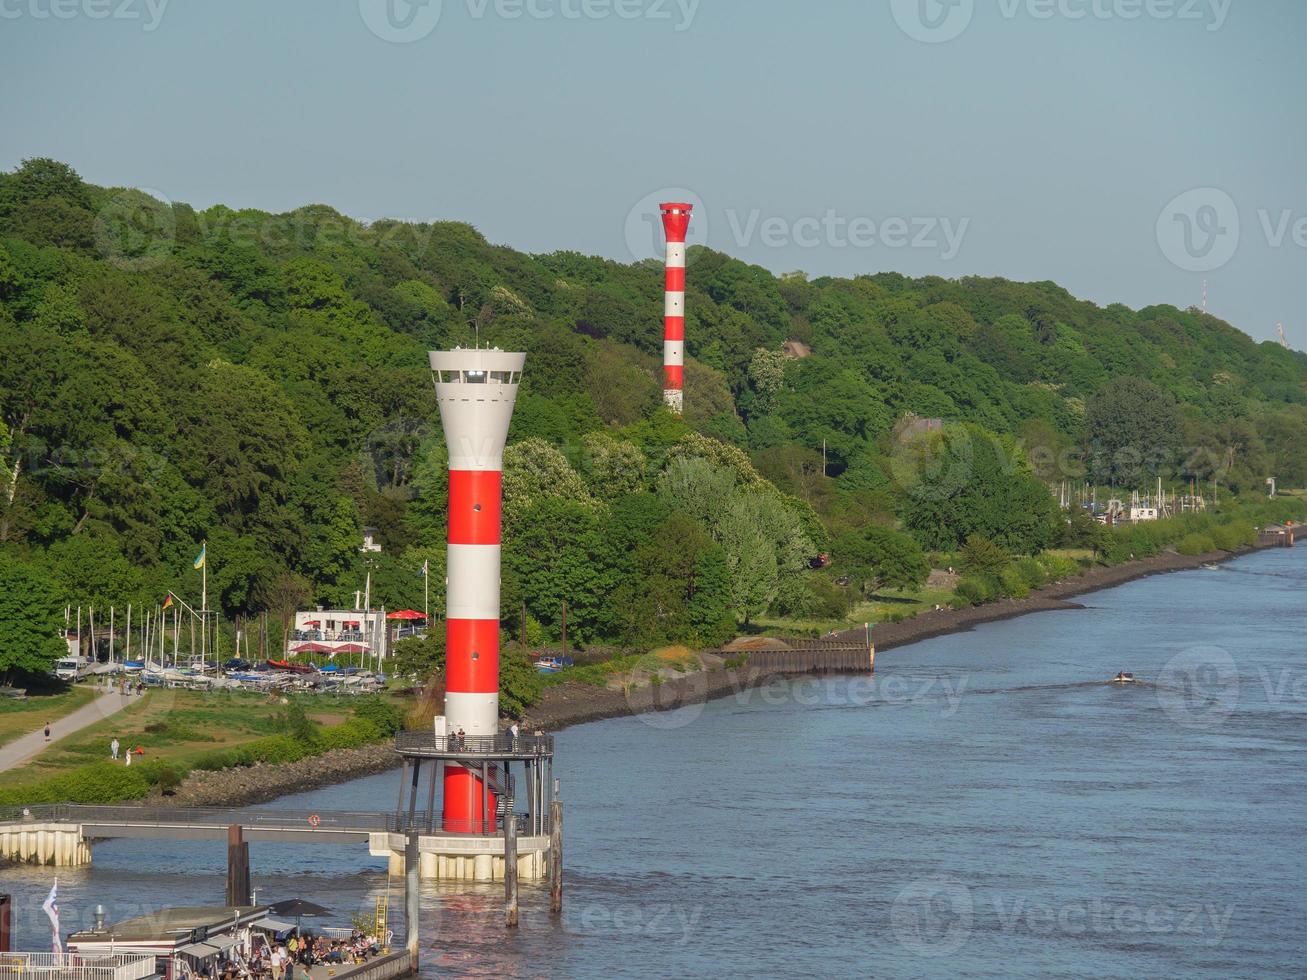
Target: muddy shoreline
(576,704)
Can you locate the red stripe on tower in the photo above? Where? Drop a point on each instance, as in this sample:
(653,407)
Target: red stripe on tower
(676,222)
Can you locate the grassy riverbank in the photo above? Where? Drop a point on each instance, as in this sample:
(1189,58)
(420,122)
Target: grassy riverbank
(18,718)
(181,732)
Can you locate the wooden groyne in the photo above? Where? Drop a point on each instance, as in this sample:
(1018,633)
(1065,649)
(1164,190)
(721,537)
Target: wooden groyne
(849,653)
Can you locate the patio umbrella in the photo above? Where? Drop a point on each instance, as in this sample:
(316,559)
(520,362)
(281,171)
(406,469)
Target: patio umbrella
(311,648)
(299,908)
(351,648)
(406,614)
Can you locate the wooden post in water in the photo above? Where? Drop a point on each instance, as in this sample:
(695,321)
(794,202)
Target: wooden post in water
(510,870)
(6,907)
(238,867)
(555,853)
(412,897)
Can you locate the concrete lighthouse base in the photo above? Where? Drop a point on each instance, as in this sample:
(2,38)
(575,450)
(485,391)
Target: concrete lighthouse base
(54,844)
(465,858)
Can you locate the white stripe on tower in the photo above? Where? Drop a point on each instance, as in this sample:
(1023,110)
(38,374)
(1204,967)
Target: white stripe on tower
(676,222)
(477,390)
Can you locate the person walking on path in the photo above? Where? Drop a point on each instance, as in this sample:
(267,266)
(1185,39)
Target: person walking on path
(113,750)
(129,758)
(23,749)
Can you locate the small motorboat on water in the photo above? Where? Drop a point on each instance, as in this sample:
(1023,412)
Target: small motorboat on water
(1123,678)
(1209,566)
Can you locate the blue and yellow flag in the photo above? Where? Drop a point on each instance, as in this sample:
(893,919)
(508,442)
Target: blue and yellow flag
(199,559)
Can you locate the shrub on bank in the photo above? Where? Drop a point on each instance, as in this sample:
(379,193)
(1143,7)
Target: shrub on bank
(382,713)
(1012,583)
(1059,567)
(1195,544)
(97,783)
(1031,572)
(977,589)
(354,733)
(1232,537)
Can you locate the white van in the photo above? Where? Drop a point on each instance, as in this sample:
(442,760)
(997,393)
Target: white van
(70,669)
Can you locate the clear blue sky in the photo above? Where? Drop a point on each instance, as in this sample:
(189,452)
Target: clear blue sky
(1051,144)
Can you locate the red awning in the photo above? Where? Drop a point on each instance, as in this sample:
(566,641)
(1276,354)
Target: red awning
(406,614)
(313,622)
(310,648)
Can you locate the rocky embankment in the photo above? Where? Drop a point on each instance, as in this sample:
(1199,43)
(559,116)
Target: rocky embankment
(261,783)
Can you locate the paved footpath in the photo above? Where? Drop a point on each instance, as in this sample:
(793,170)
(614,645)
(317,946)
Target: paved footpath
(24,749)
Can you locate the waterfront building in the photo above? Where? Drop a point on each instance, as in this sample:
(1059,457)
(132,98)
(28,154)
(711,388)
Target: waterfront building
(340,633)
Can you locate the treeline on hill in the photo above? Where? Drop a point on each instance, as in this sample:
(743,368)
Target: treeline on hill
(170,375)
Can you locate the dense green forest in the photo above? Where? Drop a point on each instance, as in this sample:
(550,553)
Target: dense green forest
(169,375)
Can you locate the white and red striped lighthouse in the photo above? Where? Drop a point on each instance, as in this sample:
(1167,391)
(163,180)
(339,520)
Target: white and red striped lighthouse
(676,222)
(477,390)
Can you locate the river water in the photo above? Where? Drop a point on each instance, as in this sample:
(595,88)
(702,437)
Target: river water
(987,806)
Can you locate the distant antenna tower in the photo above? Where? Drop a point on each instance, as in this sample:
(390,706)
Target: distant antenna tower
(1284,341)
(1204,295)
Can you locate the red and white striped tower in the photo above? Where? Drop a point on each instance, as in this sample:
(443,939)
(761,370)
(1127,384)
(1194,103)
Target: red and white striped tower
(676,222)
(477,390)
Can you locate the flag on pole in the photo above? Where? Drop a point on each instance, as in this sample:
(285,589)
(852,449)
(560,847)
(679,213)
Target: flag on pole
(168,601)
(52,910)
(199,559)
(424,571)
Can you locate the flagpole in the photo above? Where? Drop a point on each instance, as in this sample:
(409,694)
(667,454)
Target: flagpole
(128,654)
(204,604)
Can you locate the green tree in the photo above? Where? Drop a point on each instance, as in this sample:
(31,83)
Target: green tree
(677,587)
(981,556)
(31,617)
(766,378)
(535,471)
(1133,429)
(881,556)
(612,467)
(519,682)
(422,658)
(965,480)
(558,553)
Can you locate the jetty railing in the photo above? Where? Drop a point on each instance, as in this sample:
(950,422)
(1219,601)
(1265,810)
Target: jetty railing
(497,746)
(48,966)
(308,821)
